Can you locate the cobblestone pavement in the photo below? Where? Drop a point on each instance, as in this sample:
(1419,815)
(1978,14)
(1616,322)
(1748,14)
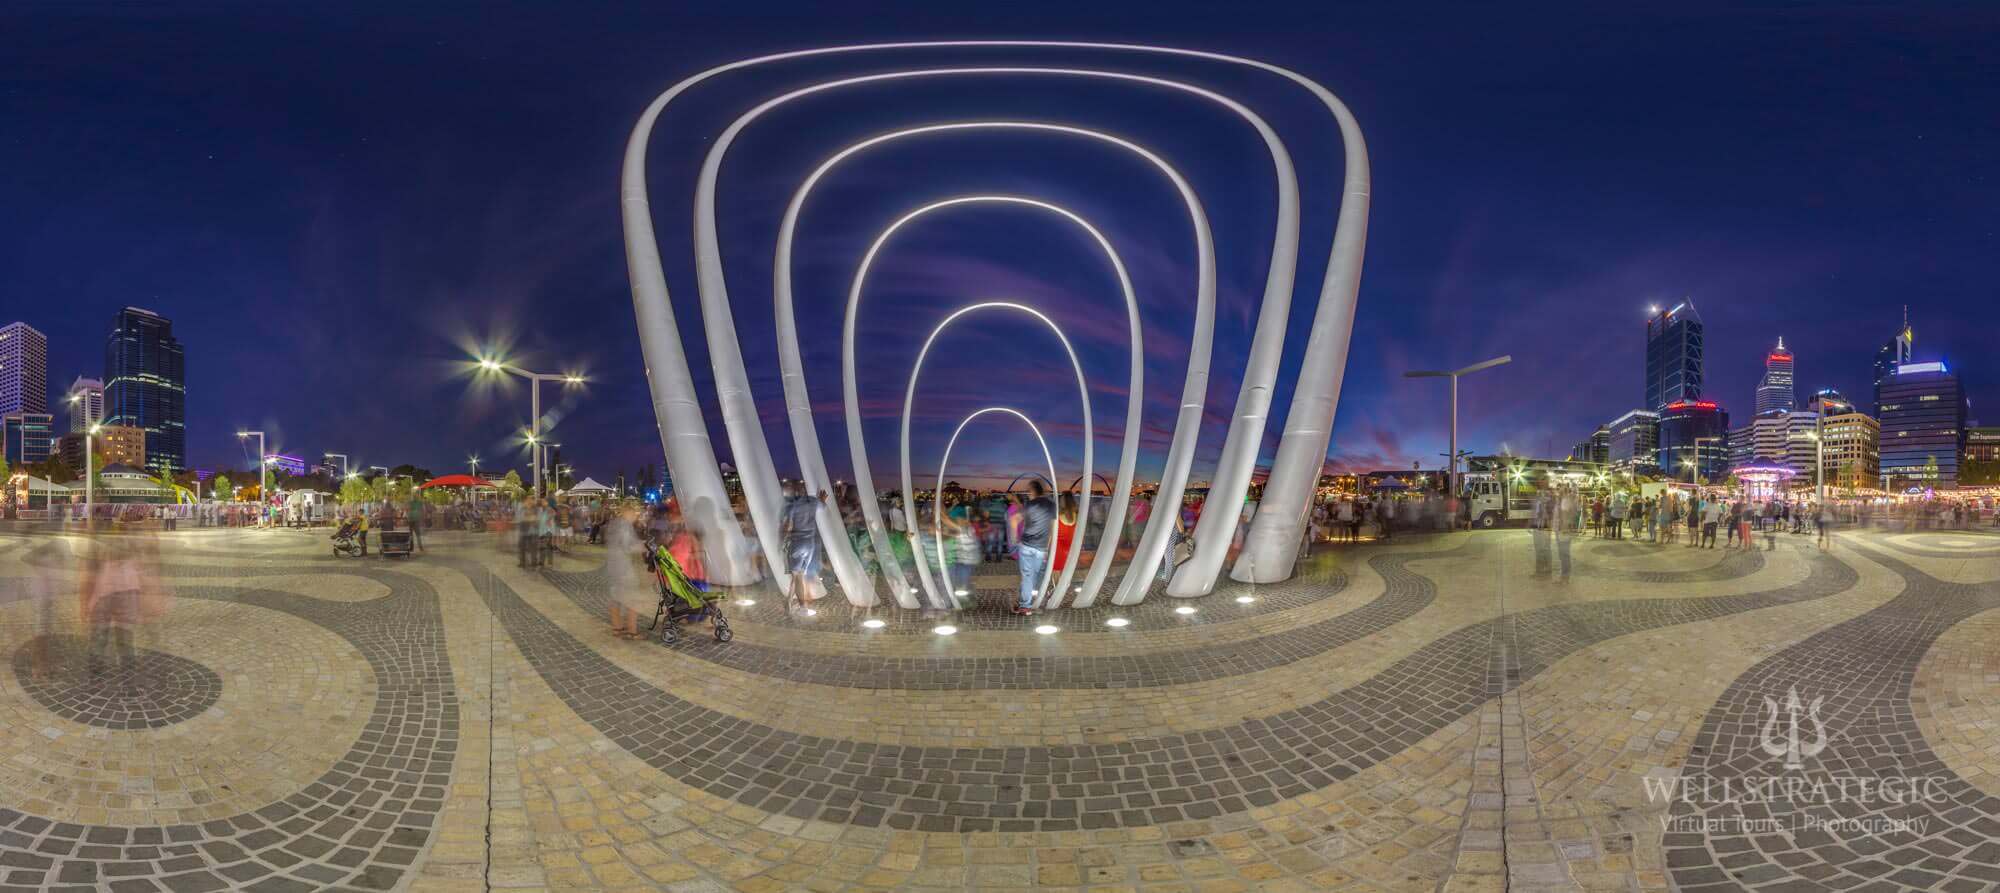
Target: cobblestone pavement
(1423,715)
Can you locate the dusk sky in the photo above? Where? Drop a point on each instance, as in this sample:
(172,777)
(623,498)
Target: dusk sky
(335,203)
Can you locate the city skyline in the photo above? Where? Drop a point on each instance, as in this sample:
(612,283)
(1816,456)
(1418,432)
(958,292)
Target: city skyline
(373,301)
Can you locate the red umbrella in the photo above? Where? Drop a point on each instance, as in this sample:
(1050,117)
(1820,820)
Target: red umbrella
(455,480)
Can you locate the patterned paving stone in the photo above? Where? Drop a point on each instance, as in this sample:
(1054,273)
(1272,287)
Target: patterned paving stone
(147,691)
(1138,783)
(1811,772)
(358,826)
(1150,669)
(1408,773)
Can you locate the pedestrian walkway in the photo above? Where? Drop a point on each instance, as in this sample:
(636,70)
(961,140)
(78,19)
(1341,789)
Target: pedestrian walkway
(1426,714)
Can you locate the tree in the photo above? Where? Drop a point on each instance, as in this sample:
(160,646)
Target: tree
(354,490)
(1979,472)
(219,487)
(378,489)
(510,486)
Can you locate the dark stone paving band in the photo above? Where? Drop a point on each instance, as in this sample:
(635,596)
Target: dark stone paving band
(1149,781)
(148,690)
(1864,669)
(360,825)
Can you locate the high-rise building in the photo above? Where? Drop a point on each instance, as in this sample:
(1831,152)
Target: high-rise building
(29,436)
(1783,437)
(1892,354)
(1982,444)
(85,400)
(1801,426)
(1775,393)
(114,444)
(1634,444)
(1743,445)
(1673,357)
(1694,438)
(146,385)
(1595,448)
(1831,400)
(1923,427)
(24,369)
(1850,459)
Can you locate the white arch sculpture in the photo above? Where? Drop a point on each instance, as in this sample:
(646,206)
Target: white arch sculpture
(739,411)
(1089,438)
(798,401)
(691,455)
(1135,378)
(937,524)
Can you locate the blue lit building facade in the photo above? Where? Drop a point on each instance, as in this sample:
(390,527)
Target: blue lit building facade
(1697,432)
(1673,357)
(1923,427)
(145,386)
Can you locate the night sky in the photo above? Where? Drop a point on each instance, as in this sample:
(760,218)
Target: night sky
(336,208)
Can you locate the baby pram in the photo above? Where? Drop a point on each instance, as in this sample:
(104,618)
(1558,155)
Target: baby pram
(343,538)
(682,601)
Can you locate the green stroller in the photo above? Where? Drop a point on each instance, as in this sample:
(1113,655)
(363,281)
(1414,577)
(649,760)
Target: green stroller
(684,601)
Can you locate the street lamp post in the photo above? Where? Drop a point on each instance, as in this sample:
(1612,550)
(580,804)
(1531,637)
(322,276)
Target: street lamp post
(535,380)
(263,470)
(1451,474)
(475,465)
(1697,449)
(343,463)
(89,460)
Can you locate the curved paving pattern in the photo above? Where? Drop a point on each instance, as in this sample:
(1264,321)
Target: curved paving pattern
(1145,782)
(360,825)
(149,691)
(1819,828)
(1143,670)
(1314,585)
(1945,544)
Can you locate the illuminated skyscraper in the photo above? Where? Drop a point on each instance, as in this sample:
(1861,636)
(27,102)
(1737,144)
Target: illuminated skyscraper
(24,369)
(1891,355)
(1774,393)
(85,400)
(1923,427)
(1673,357)
(146,386)
(1694,440)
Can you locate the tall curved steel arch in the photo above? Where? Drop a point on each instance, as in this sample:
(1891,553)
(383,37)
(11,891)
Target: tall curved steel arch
(739,410)
(945,463)
(798,399)
(1089,438)
(1135,377)
(685,437)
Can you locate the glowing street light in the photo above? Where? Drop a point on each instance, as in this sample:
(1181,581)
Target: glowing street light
(344,475)
(535,379)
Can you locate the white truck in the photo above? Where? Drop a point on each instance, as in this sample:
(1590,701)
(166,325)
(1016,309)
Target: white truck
(1501,489)
(305,508)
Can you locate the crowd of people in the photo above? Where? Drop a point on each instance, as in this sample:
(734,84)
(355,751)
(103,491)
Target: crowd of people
(1700,518)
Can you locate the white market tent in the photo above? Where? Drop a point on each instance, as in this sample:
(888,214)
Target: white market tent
(589,487)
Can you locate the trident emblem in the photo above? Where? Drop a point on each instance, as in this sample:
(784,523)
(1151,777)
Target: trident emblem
(1788,745)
